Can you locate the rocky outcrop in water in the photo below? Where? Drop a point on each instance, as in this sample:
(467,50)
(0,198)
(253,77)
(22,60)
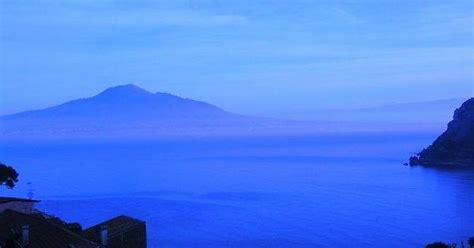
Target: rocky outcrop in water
(456,145)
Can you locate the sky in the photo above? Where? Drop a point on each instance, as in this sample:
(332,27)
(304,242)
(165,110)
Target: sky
(248,56)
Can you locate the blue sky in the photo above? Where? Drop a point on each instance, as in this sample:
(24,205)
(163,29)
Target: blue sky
(254,57)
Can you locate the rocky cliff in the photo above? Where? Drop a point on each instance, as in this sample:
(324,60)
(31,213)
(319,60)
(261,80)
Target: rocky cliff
(456,145)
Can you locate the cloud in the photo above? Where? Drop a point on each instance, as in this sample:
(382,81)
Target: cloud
(341,15)
(299,46)
(97,16)
(165,18)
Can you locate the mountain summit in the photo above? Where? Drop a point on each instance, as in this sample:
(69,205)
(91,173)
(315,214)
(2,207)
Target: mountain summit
(128,90)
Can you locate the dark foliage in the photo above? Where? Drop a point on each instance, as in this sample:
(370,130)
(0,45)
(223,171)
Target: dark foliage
(8,176)
(437,245)
(471,242)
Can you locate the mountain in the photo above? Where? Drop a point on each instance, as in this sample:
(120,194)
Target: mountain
(123,109)
(435,111)
(432,106)
(125,102)
(130,111)
(456,144)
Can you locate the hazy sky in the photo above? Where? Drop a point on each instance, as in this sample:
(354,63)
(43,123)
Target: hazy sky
(245,56)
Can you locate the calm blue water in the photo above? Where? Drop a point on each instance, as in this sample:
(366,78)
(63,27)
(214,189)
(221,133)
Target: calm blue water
(326,191)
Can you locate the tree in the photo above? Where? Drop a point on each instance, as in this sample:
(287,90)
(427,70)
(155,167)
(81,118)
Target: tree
(8,176)
(471,242)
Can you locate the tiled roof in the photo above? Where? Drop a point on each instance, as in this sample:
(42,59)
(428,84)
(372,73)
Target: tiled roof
(13,199)
(115,227)
(42,232)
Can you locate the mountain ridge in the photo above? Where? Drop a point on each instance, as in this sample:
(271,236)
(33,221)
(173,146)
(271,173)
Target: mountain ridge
(431,111)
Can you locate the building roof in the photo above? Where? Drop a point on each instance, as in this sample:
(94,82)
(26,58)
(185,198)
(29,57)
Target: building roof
(14,199)
(42,232)
(115,227)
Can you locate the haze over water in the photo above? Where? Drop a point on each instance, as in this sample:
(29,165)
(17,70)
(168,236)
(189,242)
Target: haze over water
(246,123)
(301,191)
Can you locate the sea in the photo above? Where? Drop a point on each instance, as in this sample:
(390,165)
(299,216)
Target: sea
(318,190)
